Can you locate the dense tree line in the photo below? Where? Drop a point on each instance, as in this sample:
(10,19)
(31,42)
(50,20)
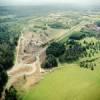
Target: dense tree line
(71,53)
(8,42)
(3,79)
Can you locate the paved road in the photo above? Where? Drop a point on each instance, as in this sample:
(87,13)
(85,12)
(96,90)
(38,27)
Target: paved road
(73,29)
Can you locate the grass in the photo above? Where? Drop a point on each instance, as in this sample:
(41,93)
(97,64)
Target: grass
(70,82)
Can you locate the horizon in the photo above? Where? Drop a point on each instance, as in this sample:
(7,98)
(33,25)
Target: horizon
(48,2)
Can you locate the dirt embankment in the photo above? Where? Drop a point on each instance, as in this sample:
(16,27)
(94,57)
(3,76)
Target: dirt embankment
(27,69)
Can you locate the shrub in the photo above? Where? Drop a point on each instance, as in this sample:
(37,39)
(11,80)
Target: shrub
(50,62)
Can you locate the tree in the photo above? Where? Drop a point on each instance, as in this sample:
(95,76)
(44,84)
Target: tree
(55,49)
(3,79)
(9,36)
(98,23)
(50,62)
(11,94)
(73,53)
(6,56)
(92,68)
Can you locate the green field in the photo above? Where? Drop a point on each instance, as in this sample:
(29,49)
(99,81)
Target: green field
(70,82)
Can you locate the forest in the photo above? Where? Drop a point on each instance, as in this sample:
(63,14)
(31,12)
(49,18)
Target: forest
(9,35)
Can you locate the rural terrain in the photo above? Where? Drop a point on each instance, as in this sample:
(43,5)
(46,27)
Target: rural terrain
(54,55)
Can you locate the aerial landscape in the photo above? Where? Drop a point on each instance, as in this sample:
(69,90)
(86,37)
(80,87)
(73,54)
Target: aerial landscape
(50,50)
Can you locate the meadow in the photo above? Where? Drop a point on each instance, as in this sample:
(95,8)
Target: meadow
(69,82)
